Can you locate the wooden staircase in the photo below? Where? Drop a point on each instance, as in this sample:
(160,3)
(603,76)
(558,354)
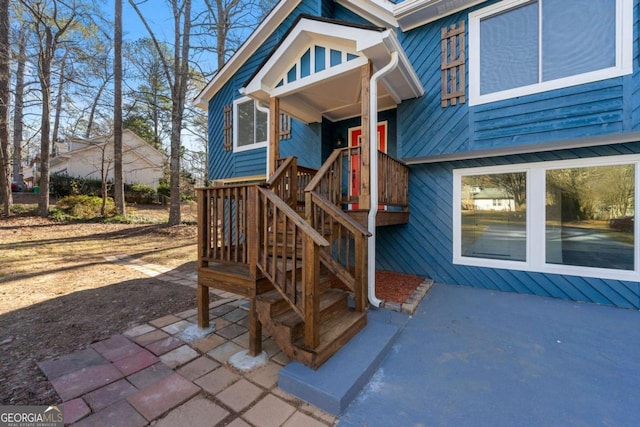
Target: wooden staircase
(299,272)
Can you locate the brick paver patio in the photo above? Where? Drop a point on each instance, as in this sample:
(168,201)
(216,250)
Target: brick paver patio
(156,373)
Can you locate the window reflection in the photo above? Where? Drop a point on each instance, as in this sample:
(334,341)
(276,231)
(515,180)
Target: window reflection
(590,216)
(494,216)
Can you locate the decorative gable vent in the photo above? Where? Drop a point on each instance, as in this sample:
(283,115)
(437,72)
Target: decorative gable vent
(314,60)
(453,65)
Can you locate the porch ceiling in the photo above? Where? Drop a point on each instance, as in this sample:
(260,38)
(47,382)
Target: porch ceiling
(316,70)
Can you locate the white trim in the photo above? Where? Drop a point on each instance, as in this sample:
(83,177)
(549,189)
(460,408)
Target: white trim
(535,220)
(255,145)
(624,55)
(416,13)
(378,12)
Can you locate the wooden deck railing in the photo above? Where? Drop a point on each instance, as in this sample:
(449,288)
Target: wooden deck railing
(347,255)
(284,181)
(393,181)
(223,224)
(336,175)
(289,256)
(288,188)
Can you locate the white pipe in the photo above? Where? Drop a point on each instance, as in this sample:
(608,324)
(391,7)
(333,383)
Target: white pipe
(373,173)
(265,110)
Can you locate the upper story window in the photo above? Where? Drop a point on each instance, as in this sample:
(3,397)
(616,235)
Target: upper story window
(521,47)
(250,125)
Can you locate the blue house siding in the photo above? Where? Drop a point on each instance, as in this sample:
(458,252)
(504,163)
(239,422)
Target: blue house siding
(425,246)
(221,164)
(305,144)
(425,128)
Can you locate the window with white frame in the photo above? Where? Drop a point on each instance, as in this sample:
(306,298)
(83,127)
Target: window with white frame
(521,47)
(250,125)
(572,217)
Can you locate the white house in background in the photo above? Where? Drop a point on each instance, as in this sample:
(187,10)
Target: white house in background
(493,199)
(90,158)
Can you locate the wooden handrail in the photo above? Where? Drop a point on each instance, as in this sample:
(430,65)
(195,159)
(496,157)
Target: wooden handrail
(326,166)
(347,256)
(284,181)
(295,218)
(339,215)
(289,256)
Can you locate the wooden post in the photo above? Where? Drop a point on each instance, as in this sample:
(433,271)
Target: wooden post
(203,239)
(311,277)
(251,240)
(360,273)
(274,134)
(364,198)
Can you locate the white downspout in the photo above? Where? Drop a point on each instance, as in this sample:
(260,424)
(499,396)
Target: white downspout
(373,171)
(265,110)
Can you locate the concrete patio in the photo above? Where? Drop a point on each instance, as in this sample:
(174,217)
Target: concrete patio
(472,357)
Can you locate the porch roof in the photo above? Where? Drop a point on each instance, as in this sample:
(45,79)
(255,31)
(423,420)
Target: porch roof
(315,70)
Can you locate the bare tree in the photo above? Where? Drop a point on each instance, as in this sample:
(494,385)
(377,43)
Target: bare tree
(62,79)
(117,111)
(229,21)
(5,58)
(177,77)
(50,24)
(151,99)
(20,58)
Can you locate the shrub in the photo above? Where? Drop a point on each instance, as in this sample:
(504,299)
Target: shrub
(139,193)
(64,185)
(84,207)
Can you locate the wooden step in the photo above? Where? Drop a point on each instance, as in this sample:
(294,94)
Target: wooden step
(334,334)
(332,302)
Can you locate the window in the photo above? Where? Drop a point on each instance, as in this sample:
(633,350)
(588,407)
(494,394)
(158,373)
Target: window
(572,217)
(490,228)
(250,125)
(520,47)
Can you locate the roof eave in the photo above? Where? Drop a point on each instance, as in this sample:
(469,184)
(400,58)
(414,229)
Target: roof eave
(379,12)
(411,14)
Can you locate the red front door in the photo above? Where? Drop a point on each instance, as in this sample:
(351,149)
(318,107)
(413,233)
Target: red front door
(355,135)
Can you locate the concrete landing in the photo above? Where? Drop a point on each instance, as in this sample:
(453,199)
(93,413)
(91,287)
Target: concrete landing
(336,383)
(473,357)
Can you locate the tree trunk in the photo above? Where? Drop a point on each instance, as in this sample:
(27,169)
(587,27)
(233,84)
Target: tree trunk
(18,108)
(5,50)
(181,74)
(45,59)
(94,107)
(118,180)
(58,112)
(222,33)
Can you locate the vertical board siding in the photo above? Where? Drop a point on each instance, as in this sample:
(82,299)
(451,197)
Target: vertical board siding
(425,247)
